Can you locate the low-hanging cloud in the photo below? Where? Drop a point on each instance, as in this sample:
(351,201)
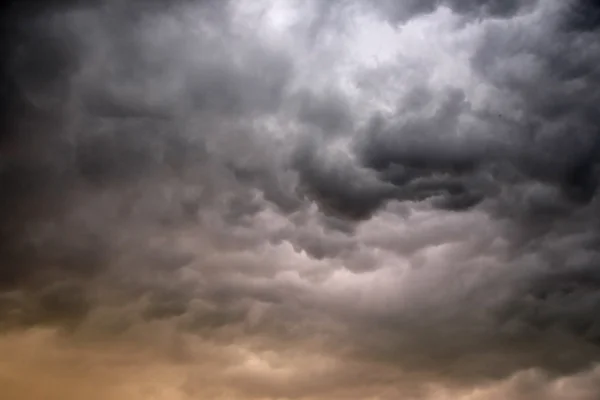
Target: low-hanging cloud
(300,200)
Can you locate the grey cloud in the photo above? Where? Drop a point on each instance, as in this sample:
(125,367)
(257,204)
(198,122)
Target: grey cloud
(340,186)
(535,145)
(329,113)
(172,166)
(404,11)
(583,15)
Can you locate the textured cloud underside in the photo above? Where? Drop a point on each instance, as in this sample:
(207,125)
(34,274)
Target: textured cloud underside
(345,199)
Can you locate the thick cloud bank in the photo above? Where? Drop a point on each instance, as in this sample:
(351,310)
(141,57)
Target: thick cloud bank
(345,199)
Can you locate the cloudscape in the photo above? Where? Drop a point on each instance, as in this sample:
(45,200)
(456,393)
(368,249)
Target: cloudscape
(300,199)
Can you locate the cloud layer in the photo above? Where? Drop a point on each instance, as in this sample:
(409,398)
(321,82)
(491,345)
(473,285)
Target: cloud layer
(300,200)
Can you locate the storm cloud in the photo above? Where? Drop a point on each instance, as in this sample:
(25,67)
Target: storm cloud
(300,200)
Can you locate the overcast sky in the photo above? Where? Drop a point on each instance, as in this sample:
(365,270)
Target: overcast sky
(300,199)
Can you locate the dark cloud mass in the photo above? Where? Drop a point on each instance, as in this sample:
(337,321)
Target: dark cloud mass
(300,200)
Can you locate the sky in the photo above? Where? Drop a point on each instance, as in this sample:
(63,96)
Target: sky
(300,200)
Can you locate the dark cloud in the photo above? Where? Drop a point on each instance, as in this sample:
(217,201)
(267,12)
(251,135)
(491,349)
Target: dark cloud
(223,172)
(340,187)
(404,11)
(583,15)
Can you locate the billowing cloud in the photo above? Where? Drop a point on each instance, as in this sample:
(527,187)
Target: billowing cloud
(300,200)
